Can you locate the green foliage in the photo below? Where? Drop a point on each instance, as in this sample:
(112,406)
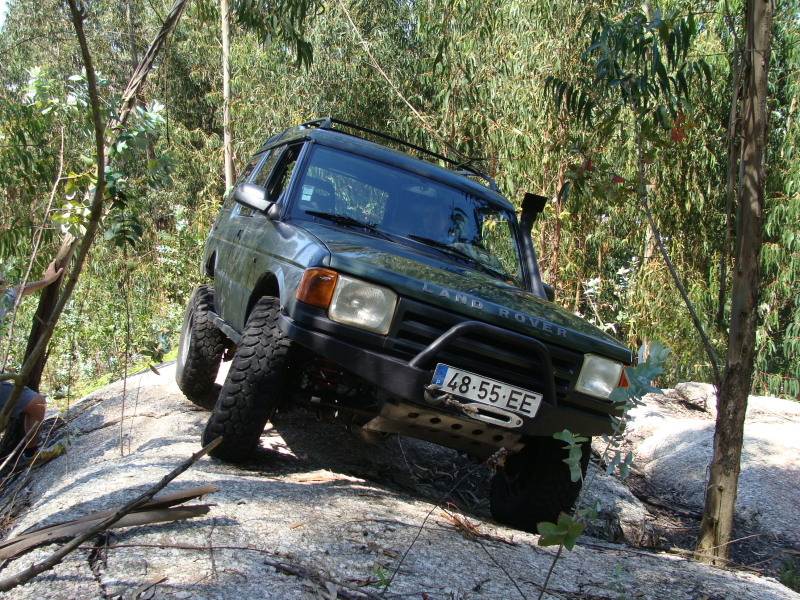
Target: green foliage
(124,229)
(383,576)
(573,445)
(152,235)
(282,19)
(789,574)
(565,532)
(483,77)
(640,382)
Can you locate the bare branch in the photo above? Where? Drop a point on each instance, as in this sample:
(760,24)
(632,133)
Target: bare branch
(61,553)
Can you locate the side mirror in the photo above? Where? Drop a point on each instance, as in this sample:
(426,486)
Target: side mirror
(253,197)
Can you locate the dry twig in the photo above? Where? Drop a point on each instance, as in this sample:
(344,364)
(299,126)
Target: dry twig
(61,553)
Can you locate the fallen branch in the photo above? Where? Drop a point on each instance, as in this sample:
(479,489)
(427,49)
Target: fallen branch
(61,553)
(469,529)
(159,510)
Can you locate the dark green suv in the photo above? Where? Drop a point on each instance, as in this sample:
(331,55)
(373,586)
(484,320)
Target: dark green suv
(402,294)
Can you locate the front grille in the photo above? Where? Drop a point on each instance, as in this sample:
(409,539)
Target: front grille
(417,325)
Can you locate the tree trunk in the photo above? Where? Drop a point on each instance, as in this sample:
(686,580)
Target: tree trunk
(131,34)
(47,303)
(730,187)
(717,524)
(555,243)
(227,149)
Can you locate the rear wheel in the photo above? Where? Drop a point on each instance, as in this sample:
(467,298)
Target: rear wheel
(535,484)
(256,384)
(200,350)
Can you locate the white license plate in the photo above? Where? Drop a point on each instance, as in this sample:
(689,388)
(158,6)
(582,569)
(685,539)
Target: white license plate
(486,391)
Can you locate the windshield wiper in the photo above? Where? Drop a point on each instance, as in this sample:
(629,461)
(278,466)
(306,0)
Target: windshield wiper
(458,253)
(347,221)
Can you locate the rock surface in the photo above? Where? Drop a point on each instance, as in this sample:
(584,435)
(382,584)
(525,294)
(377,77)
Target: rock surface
(320,515)
(673,443)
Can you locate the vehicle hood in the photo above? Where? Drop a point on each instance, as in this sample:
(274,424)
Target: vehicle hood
(430,276)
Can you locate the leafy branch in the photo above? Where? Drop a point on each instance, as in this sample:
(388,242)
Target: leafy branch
(565,532)
(640,71)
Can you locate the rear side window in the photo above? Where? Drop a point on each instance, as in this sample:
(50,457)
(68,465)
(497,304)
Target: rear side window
(262,175)
(283,173)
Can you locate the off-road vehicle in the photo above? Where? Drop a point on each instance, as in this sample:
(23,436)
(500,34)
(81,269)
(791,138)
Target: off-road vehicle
(398,290)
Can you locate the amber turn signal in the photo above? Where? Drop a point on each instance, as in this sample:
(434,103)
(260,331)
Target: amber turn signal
(316,287)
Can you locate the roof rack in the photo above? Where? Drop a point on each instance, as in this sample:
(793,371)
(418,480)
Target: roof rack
(462,167)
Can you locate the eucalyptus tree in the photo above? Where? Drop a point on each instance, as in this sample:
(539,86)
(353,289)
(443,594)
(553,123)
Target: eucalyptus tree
(283,20)
(137,211)
(777,361)
(270,88)
(641,67)
(717,524)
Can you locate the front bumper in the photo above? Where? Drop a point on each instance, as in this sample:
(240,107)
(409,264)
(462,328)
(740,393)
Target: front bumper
(404,379)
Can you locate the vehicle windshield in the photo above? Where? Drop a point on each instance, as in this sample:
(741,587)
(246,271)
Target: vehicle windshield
(386,200)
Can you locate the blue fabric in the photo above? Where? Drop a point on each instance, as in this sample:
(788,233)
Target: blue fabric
(7,303)
(5,392)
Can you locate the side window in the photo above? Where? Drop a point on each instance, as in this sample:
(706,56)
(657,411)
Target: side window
(244,176)
(262,175)
(284,173)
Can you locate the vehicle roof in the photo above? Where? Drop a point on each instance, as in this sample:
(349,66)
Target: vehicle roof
(404,160)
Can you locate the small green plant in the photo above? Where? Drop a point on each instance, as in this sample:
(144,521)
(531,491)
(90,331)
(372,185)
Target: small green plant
(566,531)
(617,583)
(789,574)
(383,576)
(639,379)
(573,444)
(157,347)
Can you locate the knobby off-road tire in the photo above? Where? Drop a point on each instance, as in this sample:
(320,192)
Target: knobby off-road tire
(200,350)
(535,485)
(256,383)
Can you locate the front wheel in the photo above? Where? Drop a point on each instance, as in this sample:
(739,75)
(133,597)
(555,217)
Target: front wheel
(199,350)
(256,384)
(535,484)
